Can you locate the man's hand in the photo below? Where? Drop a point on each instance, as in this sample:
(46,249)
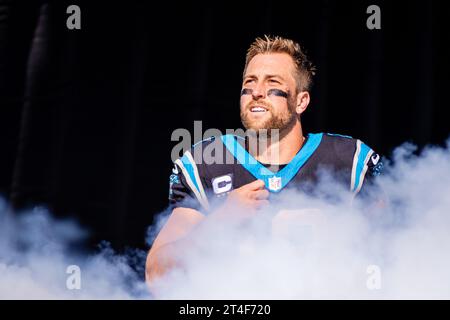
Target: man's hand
(178,234)
(244,202)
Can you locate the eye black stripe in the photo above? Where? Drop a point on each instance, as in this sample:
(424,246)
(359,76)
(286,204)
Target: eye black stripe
(278,93)
(275,92)
(246,91)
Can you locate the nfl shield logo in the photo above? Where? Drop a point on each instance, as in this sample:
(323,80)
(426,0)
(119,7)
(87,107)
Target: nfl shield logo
(275,183)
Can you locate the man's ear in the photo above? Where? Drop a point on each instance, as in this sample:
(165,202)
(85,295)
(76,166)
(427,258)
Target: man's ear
(303,99)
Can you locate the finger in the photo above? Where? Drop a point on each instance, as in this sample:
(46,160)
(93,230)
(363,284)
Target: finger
(260,194)
(255,185)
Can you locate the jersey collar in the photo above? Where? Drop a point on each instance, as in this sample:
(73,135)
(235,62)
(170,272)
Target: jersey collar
(274,182)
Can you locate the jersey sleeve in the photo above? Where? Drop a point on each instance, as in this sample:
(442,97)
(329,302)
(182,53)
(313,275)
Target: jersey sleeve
(367,165)
(185,186)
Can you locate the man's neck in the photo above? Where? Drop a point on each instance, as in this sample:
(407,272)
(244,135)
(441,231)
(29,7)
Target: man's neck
(279,150)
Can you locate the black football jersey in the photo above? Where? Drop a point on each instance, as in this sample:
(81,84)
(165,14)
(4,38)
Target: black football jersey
(216,166)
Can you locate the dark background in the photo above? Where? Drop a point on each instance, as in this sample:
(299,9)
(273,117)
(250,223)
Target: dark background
(86,115)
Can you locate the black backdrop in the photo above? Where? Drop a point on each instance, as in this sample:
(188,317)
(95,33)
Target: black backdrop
(87,115)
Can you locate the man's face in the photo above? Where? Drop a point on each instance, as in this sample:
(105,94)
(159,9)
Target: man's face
(268,97)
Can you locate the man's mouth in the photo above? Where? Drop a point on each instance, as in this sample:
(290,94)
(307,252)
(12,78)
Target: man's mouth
(258,109)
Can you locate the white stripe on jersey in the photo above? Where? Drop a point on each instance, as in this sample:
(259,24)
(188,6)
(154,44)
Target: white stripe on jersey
(354,168)
(197,178)
(200,194)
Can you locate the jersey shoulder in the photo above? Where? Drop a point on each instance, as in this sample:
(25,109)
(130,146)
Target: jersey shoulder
(213,158)
(339,145)
(200,165)
(349,152)
(343,145)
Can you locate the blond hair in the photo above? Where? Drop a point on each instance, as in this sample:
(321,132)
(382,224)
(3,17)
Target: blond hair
(304,68)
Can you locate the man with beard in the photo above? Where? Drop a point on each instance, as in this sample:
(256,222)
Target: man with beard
(274,155)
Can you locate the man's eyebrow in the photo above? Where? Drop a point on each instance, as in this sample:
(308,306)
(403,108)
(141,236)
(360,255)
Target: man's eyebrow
(268,76)
(274,76)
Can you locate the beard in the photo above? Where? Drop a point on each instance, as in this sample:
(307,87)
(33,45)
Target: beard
(280,122)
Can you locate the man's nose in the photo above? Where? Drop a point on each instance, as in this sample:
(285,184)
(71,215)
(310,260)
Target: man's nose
(259,91)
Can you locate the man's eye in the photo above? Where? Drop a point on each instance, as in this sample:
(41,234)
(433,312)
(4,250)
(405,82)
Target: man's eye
(274,81)
(249,81)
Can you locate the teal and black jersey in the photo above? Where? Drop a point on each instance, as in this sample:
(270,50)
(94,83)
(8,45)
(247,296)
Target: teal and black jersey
(216,166)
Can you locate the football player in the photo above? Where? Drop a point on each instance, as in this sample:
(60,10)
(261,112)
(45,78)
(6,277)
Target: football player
(275,92)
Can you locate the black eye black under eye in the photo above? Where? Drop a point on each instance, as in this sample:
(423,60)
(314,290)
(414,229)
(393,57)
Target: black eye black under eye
(246,91)
(278,93)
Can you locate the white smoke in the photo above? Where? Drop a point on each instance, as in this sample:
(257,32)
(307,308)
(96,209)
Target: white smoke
(36,252)
(331,249)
